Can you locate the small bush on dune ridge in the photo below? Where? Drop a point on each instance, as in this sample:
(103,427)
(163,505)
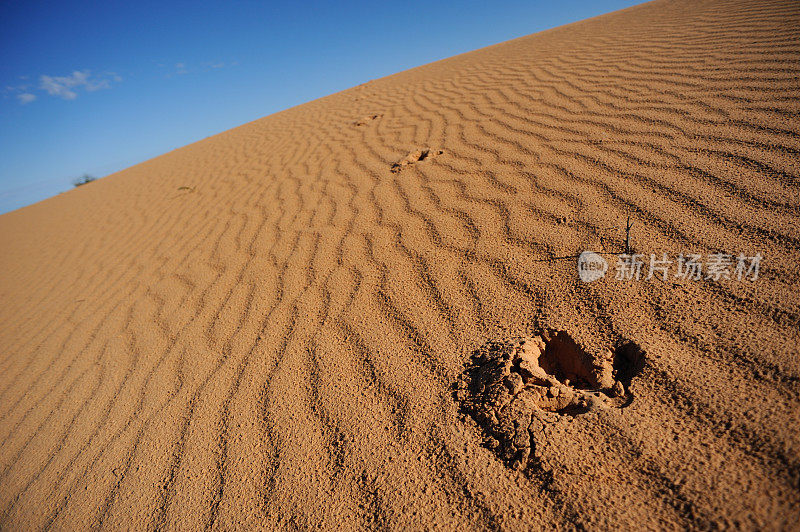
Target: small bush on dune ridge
(82,180)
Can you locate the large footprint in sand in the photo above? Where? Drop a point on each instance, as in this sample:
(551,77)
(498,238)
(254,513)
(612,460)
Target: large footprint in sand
(509,385)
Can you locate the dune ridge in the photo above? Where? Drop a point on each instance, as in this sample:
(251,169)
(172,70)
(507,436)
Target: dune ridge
(263,329)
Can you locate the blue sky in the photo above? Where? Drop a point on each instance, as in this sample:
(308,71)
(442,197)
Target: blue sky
(95,87)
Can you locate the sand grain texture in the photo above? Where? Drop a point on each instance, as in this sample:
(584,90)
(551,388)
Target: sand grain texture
(264,328)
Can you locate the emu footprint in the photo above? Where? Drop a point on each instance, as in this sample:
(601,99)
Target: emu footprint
(415,157)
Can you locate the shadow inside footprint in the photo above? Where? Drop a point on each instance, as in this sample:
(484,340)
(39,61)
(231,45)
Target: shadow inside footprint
(628,362)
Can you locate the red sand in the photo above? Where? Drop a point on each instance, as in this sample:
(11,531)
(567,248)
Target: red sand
(265,328)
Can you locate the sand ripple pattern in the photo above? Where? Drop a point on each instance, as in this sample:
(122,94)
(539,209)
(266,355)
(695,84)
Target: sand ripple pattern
(262,329)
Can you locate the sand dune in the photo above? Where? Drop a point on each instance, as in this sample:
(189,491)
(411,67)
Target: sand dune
(266,328)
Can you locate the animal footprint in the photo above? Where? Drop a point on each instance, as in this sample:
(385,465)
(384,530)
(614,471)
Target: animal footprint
(415,157)
(367,119)
(510,385)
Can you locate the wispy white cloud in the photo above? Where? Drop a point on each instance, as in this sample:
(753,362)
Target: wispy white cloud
(180,68)
(67,87)
(62,85)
